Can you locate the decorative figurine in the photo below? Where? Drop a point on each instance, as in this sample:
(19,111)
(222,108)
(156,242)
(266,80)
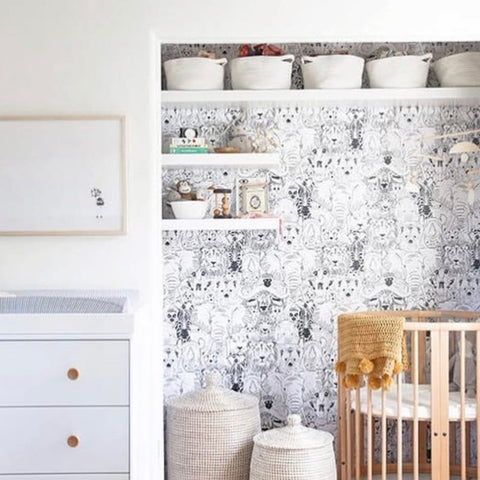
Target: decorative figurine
(223,211)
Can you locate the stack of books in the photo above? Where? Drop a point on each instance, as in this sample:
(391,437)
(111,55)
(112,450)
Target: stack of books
(188,145)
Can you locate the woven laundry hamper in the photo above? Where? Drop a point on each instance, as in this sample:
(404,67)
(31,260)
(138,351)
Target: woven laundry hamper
(210,433)
(294,452)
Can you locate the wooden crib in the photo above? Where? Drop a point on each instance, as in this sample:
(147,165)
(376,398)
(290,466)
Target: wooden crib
(437,426)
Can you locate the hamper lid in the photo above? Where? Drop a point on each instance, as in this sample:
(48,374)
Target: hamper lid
(294,436)
(213,398)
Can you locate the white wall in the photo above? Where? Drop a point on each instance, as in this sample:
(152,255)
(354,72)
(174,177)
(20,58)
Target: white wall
(324,20)
(87,57)
(95,56)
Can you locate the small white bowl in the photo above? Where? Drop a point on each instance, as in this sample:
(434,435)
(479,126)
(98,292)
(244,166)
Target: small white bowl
(189,209)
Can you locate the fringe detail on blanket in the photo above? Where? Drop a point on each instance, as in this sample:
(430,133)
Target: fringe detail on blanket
(372,346)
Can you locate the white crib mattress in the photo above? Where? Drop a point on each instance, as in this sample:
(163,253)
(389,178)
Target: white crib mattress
(424,406)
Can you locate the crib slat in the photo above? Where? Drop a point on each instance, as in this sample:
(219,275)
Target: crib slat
(369,434)
(348,416)
(384,437)
(440,404)
(342,437)
(422,379)
(399,428)
(463,439)
(415,405)
(357,434)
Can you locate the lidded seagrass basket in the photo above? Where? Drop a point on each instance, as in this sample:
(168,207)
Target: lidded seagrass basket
(210,433)
(293,452)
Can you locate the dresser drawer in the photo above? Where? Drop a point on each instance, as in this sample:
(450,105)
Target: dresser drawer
(36,440)
(72,372)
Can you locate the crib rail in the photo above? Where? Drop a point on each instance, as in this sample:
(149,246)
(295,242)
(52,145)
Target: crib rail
(438,444)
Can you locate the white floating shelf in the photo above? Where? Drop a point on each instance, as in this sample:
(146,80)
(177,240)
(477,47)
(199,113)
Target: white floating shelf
(222,224)
(221,160)
(381,96)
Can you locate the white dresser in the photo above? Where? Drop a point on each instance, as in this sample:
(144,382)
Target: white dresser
(65,396)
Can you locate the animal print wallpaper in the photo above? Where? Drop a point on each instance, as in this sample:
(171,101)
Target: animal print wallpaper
(367,223)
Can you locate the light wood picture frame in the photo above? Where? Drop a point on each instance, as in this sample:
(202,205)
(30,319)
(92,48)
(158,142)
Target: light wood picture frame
(62,175)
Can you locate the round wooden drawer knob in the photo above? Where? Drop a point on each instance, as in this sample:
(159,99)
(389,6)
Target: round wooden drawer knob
(73,441)
(73,373)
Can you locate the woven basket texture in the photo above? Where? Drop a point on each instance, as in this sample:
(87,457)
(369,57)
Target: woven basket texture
(210,434)
(459,70)
(332,71)
(261,72)
(408,71)
(195,73)
(294,452)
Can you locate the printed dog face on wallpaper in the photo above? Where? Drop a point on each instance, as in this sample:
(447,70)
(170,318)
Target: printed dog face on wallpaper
(227,289)
(410,236)
(290,235)
(345,166)
(289,357)
(287,118)
(171,358)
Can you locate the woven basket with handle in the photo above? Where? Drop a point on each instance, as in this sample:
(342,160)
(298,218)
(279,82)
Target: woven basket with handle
(294,452)
(210,433)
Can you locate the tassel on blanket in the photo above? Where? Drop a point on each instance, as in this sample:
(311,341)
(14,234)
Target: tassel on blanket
(373,346)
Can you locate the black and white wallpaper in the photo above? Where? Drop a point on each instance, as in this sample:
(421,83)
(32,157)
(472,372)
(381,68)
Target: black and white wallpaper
(367,223)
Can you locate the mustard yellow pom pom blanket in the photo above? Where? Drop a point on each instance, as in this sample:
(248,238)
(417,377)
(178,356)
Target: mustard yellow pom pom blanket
(373,345)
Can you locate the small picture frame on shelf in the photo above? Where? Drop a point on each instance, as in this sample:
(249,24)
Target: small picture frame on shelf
(252,196)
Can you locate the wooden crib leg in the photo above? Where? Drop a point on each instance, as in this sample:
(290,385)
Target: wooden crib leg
(440,405)
(399,429)
(342,432)
(463,431)
(469,445)
(422,379)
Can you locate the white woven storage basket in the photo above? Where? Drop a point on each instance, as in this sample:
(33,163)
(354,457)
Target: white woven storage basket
(262,72)
(408,71)
(293,453)
(195,73)
(459,70)
(332,71)
(210,434)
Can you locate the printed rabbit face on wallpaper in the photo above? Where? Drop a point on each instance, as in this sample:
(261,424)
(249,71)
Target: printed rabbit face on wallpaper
(260,307)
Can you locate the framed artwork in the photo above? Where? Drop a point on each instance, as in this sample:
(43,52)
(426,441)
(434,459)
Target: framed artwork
(252,196)
(62,175)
